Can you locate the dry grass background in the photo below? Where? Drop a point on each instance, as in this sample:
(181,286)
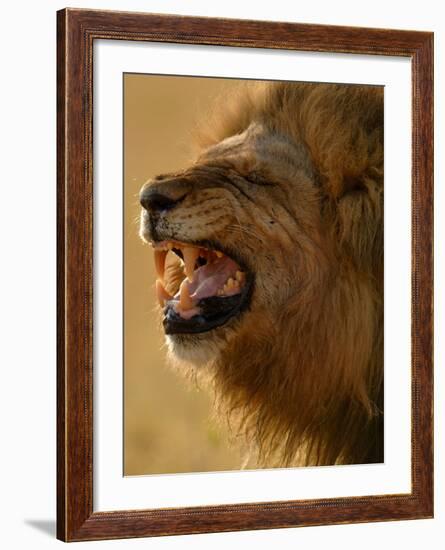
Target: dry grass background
(167,423)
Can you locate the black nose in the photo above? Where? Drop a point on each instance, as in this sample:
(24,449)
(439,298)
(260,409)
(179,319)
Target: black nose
(154,201)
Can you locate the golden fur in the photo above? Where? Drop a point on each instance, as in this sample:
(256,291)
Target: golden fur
(291,176)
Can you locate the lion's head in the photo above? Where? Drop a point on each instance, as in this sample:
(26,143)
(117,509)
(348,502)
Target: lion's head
(269,250)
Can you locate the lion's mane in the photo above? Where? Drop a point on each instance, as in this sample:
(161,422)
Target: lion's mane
(306,386)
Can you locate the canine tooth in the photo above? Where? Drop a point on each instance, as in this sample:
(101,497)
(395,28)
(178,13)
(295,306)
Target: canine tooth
(230,282)
(239,276)
(160,256)
(161,293)
(190,256)
(219,254)
(184,296)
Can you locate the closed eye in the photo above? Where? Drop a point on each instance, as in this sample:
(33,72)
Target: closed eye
(257,179)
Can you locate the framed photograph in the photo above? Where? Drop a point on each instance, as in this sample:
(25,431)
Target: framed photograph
(244,275)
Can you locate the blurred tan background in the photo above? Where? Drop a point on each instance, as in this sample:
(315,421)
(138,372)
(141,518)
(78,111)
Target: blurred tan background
(167,424)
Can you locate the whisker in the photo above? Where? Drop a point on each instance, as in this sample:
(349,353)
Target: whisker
(244,230)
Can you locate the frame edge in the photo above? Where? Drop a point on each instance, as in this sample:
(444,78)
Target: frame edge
(61,419)
(75,518)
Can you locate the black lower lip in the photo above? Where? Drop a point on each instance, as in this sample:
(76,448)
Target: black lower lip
(215,312)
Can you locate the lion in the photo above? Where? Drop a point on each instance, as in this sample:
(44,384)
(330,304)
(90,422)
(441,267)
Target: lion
(269,254)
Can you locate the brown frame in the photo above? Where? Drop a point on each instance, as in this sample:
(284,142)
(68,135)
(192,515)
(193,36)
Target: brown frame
(76,32)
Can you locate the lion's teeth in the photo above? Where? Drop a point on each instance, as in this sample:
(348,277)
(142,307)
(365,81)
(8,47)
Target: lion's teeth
(219,254)
(239,276)
(169,245)
(190,256)
(184,296)
(230,282)
(160,256)
(162,295)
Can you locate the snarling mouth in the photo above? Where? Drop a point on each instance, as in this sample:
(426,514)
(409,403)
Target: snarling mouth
(199,287)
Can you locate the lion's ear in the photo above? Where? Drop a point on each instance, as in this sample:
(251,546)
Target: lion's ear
(359,213)
(342,127)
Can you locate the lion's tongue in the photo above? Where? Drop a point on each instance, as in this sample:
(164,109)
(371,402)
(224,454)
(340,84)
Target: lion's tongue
(207,281)
(209,278)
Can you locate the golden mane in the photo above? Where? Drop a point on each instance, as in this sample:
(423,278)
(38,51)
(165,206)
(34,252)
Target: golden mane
(306,386)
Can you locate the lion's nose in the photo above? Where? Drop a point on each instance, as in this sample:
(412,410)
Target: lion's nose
(154,201)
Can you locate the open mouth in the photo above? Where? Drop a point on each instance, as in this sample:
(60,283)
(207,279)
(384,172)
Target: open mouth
(200,287)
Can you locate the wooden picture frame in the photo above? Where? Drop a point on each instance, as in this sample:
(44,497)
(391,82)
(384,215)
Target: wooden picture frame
(76,32)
